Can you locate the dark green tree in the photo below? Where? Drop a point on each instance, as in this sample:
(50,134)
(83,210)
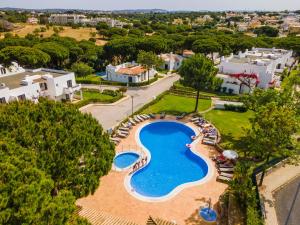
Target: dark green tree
(198,72)
(82,69)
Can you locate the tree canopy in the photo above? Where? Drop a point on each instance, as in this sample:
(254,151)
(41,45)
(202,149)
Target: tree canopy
(81,69)
(198,72)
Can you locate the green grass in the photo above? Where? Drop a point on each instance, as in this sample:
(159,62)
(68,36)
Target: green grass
(87,95)
(88,79)
(173,104)
(231,126)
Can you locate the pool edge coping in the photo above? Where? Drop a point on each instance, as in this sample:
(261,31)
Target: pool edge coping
(179,188)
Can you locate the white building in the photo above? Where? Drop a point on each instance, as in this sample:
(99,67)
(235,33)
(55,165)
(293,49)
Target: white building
(23,84)
(171,61)
(128,73)
(262,62)
(32,20)
(66,19)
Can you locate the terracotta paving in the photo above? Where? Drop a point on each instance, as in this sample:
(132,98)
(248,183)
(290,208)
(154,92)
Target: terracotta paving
(111,196)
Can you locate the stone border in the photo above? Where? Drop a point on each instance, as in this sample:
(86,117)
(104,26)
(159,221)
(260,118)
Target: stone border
(179,188)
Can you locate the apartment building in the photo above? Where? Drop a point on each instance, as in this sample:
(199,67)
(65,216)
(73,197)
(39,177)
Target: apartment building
(17,84)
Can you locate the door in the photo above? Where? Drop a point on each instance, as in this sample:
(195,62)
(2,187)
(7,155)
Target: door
(129,79)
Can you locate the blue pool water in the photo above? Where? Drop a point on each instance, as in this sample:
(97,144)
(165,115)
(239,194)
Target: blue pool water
(172,163)
(126,159)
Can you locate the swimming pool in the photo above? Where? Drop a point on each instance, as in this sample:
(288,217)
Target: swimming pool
(125,159)
(172,164)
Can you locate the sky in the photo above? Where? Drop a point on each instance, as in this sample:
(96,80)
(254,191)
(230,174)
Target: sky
(213,5)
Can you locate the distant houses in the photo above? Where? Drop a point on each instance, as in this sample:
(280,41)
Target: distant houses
(256,68)
(65,19)
(18,84)
(171,61)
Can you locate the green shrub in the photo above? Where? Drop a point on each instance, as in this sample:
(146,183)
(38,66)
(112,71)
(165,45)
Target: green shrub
(110,92)
(236,108)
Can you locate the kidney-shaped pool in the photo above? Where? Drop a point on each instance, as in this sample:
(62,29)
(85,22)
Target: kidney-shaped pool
(172,164)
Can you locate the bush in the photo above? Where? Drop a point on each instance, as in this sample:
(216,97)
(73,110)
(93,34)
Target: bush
(122,89)
(236,108)
(110,92)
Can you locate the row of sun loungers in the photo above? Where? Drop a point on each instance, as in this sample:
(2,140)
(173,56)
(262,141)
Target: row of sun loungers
(225,168)
(124,129)
(210,133)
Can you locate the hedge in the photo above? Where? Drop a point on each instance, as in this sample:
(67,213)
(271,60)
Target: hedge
(236,108)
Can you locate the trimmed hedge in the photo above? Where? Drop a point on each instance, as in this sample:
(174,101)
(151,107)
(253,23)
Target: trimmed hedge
(236,108)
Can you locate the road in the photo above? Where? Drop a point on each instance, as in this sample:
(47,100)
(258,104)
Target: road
(110,115)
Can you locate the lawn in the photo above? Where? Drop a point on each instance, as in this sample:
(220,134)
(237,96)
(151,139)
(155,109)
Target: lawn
(173,104)
(89,79)
(94,96)
(231,126)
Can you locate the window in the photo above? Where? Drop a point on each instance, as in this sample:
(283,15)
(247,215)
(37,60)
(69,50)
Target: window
(43,86)
(69,83)
(22,97)
(2,100)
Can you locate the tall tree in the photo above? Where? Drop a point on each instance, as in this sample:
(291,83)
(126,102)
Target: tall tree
(149,60)
(198,72)
(81,69)
(271,132)
(71,147)
(206,46)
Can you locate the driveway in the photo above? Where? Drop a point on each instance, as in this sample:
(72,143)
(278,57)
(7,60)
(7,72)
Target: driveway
(110,115)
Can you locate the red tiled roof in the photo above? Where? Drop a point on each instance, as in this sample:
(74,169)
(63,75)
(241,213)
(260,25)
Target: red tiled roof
(134,71)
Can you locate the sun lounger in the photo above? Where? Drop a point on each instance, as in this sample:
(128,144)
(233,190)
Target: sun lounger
(225,169)
(140,118)
(137,119)
(195,119)
(115,139)
(229,175)
(119,134)
(146,116)
(143,117)
(181,116)
(223,179)
(132,121)
(224,165)
(124,129)
(123,132)
(208,141)
(127,125)
(152,116)
(162,115)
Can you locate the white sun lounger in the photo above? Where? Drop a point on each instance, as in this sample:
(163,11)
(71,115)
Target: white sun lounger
(119,134)
(115,139)
(195,119)
(223,179)
(124,129)
(229,175)
(126,125)
(226,169)
(147,116)
(137,119)
(123,132)
(132,121)
(140,118)
(144,117)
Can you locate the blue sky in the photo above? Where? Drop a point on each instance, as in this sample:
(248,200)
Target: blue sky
(161,4)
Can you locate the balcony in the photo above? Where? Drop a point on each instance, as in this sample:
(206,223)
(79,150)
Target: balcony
(71,90)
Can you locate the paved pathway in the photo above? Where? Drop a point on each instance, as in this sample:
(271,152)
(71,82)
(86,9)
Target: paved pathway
(110,115)
(272,182)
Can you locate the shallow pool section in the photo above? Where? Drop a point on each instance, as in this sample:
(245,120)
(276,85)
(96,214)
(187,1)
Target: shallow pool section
(125,159)
(172,164)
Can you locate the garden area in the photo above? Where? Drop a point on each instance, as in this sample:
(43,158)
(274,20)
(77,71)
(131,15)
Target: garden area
(230,124)
(175,105)
(95,96)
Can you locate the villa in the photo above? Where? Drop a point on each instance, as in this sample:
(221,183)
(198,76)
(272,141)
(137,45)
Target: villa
(171,61)
(256,68)
(129,73)
(16,83)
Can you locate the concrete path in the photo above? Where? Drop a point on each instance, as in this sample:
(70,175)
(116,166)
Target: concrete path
(109,116)
(273,182)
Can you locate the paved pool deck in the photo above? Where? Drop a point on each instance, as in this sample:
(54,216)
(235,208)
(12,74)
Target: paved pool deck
(111,197)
